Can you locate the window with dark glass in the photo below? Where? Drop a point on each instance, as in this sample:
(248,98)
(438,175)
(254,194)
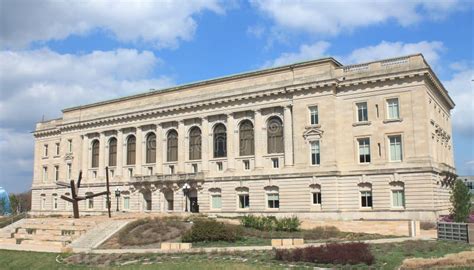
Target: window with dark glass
(246,137)
(195,143)
(220,141)
(273,200)
(113,152)
(95,154)
(316,197)
(131,150)
(364,150)
(275,135)
(366,198)
(151,148)
(362,114)
(172,146)
(244,201)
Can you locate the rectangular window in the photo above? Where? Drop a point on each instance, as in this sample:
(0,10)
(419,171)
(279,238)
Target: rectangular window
(398,198)
(57,149)
(150,170)
(69,146)
(364,150)
(273,200)
(195,168)
(395,147)
(313,112)
(362,114)
(216,201)
(130,172)
(43,202)
(220,167)
(126,203)
(69,171)
(171,168)
(56,173)
(246,165)
(94,174)
(112,172)
(55,203)
(45,174)
(316,197)
(393,108)
(244,201)
(275,163)
(90,204)
(366,198)
(315,153)
(45,150)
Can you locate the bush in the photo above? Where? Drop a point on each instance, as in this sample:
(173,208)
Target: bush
(211,230)
(334,253)
(461,201)
(271,223)
(149,231)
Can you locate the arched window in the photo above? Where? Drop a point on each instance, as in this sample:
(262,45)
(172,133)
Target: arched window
(246,137)
(151,148)
(172,146)
(275,135)
(95,154)
(220,141)
(131,150)
(195,143)
(113,152)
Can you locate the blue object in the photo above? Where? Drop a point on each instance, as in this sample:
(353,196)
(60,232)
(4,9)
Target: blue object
(5,209)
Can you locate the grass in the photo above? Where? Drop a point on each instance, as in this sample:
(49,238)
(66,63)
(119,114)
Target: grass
(387,256)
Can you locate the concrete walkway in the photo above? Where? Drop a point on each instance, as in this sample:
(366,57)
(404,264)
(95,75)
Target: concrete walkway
(244,248)
(98,235)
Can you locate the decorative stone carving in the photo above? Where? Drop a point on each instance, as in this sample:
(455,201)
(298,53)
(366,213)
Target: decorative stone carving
(313,132)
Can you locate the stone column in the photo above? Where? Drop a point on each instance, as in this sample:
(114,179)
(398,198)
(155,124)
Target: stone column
(101,169)
(159,149)
(119,167)
(288,134)
(85,157)
(230,142)
(205,144)
(181,150)
(259,139)
(139,150)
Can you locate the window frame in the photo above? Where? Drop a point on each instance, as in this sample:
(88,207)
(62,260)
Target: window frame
(246,137)
(318,153)
(69,146)
(367,146)
(318,198)
(387,107)
(95,153)
(275,205)
(219,141)
(56,173)
(195,143)
(57,149)
(275,140)
(390,147)
(246,202)
(311,118)
(150,148)
(112,149)
(172,145)
(367,202)
(45,150)
(216,195)
(358,114)
(275,162)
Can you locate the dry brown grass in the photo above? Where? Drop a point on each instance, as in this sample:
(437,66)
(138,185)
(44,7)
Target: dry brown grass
(462,259)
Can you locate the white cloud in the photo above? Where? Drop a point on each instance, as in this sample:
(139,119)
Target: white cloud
(305,52)
(160,23)
(384,49)
(333,17)
(461,89)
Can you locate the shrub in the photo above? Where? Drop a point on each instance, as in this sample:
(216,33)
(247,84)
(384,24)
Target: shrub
(149,231)
(323,232)
(271,223)
(334,253)
(461,201)
(211,230)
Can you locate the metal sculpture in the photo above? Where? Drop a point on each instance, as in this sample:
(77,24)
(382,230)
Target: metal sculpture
(75,199)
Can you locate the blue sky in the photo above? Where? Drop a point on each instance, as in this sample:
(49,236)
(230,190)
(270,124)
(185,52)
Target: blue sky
(55,55)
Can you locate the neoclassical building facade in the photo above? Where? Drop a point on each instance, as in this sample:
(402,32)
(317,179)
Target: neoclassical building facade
(315,139)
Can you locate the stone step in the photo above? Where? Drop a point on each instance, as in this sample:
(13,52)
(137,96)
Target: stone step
(7,241)
(42,243)
(49,232)
(60,238)
(55,227)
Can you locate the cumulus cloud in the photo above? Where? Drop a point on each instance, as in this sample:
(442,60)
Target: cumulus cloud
(334,17)
(305,52)
(160,23)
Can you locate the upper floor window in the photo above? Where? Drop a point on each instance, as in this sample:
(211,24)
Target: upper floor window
(220,141)
(362,114)
(172,146)
(56,173)
(364,150)
(57,149)
(315,153)
(113,152)
(275,143)
(313,113)
(69,171)
(45,174)
(131,150)
(45,150)
(69,146)
(95,154)
(393,108)
(151,148)
(195,143)
(246,137)
(395,147)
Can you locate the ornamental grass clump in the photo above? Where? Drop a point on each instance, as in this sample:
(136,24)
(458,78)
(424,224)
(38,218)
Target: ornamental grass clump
(271,223)
(334,253)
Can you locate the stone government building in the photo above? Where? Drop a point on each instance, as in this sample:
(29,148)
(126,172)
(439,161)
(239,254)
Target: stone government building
(315,139)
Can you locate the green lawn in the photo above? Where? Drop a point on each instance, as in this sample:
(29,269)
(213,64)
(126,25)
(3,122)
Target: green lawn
(388,256)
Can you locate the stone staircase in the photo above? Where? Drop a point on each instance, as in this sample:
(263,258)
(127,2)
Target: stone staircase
(97,235)
(44,234)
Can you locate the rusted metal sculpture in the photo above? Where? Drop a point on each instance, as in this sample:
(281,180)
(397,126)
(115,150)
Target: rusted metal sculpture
(75,198)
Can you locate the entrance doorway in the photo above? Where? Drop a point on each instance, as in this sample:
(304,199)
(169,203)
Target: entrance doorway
(168,194)
(193,201)
(147,200)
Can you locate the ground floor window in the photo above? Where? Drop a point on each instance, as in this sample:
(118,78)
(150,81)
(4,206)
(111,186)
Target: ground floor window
(316,197)
(366,198)
(216,201)
(273,200)
(244,201)
(43,201)
(126,203)
(55,202)
(398,198)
